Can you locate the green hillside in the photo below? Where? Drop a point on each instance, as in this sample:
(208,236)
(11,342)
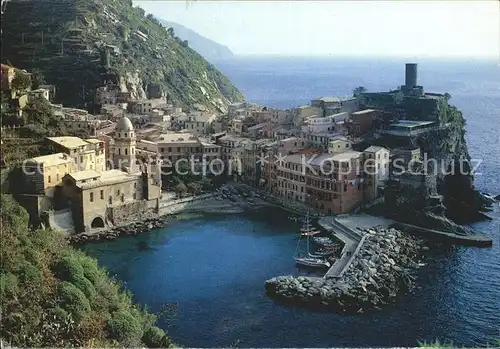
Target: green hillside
(76,44)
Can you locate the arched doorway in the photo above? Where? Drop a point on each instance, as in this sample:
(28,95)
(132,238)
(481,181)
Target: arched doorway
(97,222)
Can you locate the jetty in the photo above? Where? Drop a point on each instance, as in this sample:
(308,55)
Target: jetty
(477,239)
(352,243)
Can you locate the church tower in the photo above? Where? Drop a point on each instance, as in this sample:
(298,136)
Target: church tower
(123,150)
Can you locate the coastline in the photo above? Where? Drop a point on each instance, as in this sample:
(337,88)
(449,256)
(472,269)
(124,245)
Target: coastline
(382,268)
(223,201)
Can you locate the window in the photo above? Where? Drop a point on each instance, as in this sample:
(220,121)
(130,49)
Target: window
(49,179)
(126,151)
(81,158)
(91,197)
(178,149)
(118,192)
(102,194)
(169,149)
(119,151)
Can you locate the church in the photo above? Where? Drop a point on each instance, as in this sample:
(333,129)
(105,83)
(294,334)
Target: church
(131,184)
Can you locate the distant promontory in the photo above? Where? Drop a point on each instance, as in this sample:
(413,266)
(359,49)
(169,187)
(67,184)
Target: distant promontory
(209,49)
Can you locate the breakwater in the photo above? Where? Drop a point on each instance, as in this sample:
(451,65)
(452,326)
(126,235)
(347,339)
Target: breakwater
(132,229)
(382,268)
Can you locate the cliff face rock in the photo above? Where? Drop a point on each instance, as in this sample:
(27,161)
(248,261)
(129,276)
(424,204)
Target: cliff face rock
(77,44)
(132,82)
(455,172)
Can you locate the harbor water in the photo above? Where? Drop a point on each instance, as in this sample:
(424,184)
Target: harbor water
(205,274)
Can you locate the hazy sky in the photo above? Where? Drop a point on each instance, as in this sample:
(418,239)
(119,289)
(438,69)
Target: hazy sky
(395,28)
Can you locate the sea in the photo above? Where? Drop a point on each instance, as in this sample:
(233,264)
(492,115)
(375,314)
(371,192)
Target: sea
(204,274)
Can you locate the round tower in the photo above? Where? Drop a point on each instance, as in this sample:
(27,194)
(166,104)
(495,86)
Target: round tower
(411,75)
(124,145)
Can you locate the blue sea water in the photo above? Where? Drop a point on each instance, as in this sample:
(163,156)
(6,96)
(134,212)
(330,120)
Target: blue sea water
(214,267)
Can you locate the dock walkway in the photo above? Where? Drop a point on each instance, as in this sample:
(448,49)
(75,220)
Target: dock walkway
(352,240)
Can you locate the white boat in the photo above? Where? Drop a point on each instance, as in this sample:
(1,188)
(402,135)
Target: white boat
(307,230)
(309,260)
(312,262)
(321,254)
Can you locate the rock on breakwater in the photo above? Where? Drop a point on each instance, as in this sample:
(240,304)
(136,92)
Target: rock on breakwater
(131,229)
(382,269)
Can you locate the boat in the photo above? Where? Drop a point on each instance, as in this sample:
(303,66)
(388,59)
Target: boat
(312,262)
(307,230)
(322,240)
(322,254)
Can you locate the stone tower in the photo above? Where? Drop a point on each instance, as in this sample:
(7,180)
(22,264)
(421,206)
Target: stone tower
(123,150)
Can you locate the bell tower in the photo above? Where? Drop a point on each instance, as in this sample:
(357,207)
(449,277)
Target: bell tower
(123,150)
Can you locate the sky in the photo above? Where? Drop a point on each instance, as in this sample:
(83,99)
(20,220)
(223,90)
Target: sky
(342,28)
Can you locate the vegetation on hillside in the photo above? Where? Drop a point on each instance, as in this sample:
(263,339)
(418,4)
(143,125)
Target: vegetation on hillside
(23,137)
(55,296)
(76,44)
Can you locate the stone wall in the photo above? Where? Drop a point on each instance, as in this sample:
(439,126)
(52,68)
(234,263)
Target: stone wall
(122,214)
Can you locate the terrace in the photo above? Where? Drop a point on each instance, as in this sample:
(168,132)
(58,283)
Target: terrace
(407,128)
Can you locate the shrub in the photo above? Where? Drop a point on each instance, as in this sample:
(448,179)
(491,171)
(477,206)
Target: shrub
(73,300)
(124,327)
(59,313)
(91,270)
(68,268)
(8,285)
(29,274)
(193,187)
(155,337)
(84,285)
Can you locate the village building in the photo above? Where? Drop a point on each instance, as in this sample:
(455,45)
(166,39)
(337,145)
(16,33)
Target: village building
(198,123)
(175,146)
(376,171)
(334,182)
(52,90)
(43,173)
(98,199)
(87,154)
(404,156)
(339,145)
(40,93)
(253,156)
(300,114)
(363,121)
(230,147)
(8,74)
(40,176)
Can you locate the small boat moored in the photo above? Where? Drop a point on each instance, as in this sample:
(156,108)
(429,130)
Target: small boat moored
(312,262)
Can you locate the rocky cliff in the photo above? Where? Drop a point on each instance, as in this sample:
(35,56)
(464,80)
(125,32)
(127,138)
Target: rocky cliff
(76,44)
(447,158)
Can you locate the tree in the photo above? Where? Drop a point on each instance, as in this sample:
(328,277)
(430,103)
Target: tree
(39,112)
(170,32)
(447,96)
(358,91)
(193,187)
(7,116)
(21,81)
(38,78)
(180,189)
